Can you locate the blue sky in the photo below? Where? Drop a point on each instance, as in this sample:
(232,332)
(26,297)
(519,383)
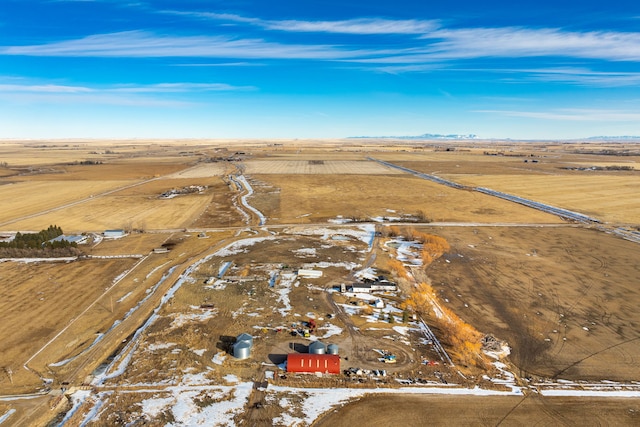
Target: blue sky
(318,69)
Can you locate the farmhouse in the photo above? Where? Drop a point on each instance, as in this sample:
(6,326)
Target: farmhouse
(313,363)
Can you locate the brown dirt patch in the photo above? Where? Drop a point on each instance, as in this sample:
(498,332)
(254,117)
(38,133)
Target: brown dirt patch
(564,298)
(483,411)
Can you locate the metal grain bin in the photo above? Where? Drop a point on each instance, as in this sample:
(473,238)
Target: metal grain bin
(317,347)
(242,350)
(245,337)
(332,349)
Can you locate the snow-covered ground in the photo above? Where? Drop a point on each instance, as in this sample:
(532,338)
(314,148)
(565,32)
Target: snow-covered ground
(363,232)
(4,417)
(240,245)
(287,281)
(246,204)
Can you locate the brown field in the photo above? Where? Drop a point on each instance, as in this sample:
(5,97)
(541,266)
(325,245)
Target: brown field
(205,170)
(119,210)
(484,411)
(28,198)
(312,198)
(312,166)
(52,296)
(610,198)
(563,296)
(42,297)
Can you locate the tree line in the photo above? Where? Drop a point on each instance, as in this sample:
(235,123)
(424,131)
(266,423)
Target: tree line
(463,340)
(38,244)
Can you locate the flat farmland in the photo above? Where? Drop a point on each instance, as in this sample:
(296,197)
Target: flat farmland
(309,198)
(68,306)
(516,160)
(612,198)
(37,300)
(317,167)
(119,211)
(115,170)
(34,155)
(137,243)
(417,411)
(564,298)
(28,198)
(204,170)
(130,202)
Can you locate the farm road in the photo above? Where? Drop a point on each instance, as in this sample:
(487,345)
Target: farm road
(563,213)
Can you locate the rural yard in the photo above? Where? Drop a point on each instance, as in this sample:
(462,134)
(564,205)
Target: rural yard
(335,283)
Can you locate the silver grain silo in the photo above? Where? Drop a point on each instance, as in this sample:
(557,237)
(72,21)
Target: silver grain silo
(317,347)
(242,350)
(245,337)
(332,349)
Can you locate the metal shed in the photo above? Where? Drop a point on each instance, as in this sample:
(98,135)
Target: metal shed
(313,363)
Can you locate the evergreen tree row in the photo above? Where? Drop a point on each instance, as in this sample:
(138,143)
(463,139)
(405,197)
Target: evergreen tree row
(38,240)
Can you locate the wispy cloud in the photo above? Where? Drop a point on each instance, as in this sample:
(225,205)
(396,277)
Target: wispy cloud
(362,26)
(222,64)
(585,77)
(48,88)
(517,42)
(437,46)
(356,26)
(143,44)
(577,115)
(153,88)
(91,98)
(181,87)
(154,95)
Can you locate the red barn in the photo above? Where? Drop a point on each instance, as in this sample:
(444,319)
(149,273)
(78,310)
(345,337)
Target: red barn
(312,363)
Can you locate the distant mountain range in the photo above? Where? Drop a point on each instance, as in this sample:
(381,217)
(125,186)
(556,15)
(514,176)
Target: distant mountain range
(432,136)
(615,138)
(424,136)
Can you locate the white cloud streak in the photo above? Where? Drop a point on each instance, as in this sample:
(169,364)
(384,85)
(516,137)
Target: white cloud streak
(154,88)
(435,46)
(363,26)
(155,95)
(141,44)
(577,115)
(584,77)
(517,42)
(43,88)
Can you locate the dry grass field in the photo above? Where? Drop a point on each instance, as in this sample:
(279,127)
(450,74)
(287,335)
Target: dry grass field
(313,198)
(28,198)
(610,198)
(414,411)
(563,296)
(37,300)
(317,167)
(122,210)
(204,170)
